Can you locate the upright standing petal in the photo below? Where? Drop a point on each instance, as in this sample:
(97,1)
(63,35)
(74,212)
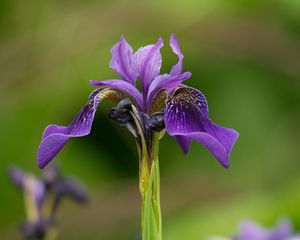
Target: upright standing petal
(123,62)
(148,63)
(186,115)
(176,69)
(55,137)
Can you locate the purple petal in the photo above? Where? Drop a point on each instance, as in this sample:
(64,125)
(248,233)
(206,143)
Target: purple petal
(17,176)
(186,115)
(176,69)
(148,63)
(184,142)
(165,82)
(55,137)
(123,62)
(123,86)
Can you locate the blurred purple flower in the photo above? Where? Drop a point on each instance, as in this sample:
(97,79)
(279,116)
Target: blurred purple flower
(183,110)
(43,196)
(251,231)
(30,184)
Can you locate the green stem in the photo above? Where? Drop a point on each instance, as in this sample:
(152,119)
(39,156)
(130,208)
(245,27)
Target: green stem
(150,192)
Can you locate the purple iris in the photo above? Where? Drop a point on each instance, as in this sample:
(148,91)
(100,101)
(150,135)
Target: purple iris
(42,196)
(162,103)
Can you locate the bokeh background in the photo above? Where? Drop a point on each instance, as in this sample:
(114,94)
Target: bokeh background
(244,56)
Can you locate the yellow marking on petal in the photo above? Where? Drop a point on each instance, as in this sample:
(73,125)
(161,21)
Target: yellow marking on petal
(111,93)
(158,102)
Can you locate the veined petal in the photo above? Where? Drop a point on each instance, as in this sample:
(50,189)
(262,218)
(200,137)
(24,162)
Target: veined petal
(148,63)
(123,86)
(55,137)
(186,116)
(176,69)
(165,82)
(123,62)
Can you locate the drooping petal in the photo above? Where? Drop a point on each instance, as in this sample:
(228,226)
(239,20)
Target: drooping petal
(176,69)
(165,82)
(148,63)
(186,115)
(123,62)
(55,137)
(67,187)
(123,86)
(73,189)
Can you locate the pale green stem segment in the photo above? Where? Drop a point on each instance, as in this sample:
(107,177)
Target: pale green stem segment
(150,192)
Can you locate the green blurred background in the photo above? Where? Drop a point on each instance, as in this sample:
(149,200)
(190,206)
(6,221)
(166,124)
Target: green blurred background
(244,56)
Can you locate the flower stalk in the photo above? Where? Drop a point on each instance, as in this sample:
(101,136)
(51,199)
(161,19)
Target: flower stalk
(150,192)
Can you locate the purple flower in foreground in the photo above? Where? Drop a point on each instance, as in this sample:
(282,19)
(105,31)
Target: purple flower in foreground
(42,197)
(163,102)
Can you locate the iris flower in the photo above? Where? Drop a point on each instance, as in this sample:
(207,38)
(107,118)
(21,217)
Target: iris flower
(42,197)
(185,112)
(162,104)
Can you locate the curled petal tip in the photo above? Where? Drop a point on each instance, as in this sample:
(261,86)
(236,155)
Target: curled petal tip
(94,82)
(188,74)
